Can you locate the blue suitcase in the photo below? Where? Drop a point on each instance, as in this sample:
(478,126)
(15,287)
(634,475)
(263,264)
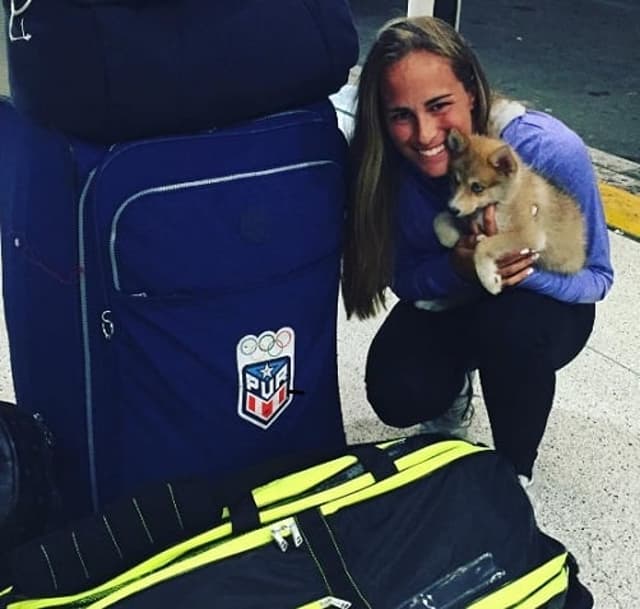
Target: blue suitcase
(109,71)
(171,303)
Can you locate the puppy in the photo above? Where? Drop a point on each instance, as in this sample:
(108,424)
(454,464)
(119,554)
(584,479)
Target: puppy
(531,213)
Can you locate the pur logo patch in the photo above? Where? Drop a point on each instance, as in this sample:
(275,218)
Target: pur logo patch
(265,374)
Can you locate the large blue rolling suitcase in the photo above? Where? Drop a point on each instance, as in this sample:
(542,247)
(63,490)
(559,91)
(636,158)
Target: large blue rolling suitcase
(171,303)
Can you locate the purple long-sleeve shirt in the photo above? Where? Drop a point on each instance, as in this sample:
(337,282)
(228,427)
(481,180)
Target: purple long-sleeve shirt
(423,269)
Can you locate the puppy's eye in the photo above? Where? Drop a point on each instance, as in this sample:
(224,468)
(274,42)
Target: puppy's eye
(476,187)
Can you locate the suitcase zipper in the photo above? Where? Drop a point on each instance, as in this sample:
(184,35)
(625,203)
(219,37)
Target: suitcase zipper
(84,316)
(184,186)
(106,324)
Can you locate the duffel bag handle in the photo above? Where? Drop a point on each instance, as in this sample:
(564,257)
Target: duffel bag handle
(244,513)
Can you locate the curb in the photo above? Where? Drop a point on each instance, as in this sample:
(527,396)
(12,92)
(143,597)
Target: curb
(620,191)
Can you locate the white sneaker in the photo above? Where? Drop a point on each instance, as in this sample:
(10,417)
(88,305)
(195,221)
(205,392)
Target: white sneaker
(525,481)
(456,420)
(527,484)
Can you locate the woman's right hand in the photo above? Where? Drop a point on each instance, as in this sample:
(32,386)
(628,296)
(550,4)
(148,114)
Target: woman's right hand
(462,257)
(513,267)
(462,253)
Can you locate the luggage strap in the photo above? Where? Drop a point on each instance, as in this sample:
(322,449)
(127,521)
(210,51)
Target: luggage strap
(326,554)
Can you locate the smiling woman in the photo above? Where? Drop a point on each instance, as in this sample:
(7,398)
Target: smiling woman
(418,72)
(419,81)
(422,101)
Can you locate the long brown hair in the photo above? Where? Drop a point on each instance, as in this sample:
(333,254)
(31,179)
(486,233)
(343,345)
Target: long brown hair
(368,256)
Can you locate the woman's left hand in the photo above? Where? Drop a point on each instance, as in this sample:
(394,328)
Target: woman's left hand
(514,266)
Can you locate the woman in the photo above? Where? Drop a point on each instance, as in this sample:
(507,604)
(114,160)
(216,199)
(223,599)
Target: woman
(420,80)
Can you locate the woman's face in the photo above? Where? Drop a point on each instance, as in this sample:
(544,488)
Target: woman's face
(422,100)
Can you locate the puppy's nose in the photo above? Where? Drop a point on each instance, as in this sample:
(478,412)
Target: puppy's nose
(454,211)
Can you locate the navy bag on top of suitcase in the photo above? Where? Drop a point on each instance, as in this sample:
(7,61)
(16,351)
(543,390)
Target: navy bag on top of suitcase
(171,303)
(109,70)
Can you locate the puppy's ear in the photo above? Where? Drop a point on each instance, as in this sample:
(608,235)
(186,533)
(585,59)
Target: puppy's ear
(457,142)
(503,160)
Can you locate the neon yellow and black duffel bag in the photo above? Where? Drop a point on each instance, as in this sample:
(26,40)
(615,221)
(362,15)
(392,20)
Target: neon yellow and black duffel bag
(415,523)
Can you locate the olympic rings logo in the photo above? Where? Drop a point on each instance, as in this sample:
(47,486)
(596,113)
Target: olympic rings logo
(268,343)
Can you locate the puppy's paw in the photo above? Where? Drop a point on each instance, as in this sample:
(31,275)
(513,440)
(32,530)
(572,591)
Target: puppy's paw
(487,272)
(446,229)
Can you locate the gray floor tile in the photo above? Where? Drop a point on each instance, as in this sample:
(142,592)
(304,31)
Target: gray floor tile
(617,335)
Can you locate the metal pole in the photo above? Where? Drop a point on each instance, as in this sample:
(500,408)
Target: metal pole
(419,8)
(449,10)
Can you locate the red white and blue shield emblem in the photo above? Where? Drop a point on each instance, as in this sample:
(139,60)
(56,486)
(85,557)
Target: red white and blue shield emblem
(265,374)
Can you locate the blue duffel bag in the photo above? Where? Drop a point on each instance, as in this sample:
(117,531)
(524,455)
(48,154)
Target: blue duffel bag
(113,70)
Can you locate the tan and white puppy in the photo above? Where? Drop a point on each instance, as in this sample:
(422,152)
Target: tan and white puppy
(531,213)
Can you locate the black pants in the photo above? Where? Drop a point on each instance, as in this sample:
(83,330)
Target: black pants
(517,341)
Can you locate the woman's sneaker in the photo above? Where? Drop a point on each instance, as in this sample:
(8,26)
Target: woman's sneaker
(456,420)
(527,484)
(525,481)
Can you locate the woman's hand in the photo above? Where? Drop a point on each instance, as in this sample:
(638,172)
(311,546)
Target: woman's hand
(515,266)
(462,255)
(512,267)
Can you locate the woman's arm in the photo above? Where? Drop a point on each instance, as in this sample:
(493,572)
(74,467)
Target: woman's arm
(426,276)
(423,269)
(560,155)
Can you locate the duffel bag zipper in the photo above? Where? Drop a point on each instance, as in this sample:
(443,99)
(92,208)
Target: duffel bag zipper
(328,602)
(280,531)
(217,552)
